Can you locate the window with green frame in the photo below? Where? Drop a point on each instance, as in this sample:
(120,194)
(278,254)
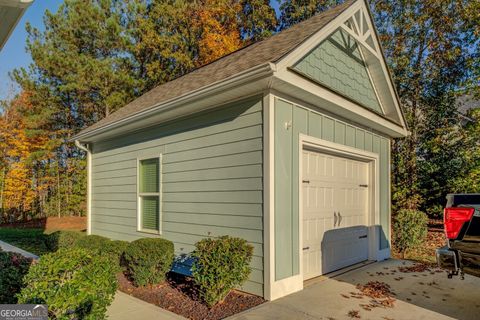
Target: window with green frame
(149,194)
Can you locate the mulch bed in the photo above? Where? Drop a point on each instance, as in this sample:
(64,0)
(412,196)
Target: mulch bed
(178,295)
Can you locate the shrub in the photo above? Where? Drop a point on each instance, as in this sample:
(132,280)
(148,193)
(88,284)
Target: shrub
(62,239)
(13,267)
(148,260)
(74,283)
(409,229)
(220,265)
(113,250)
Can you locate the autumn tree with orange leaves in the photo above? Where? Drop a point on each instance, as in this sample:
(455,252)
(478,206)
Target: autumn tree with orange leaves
(91,58)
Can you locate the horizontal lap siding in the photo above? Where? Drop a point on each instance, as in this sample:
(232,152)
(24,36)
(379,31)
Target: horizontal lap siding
(211,180)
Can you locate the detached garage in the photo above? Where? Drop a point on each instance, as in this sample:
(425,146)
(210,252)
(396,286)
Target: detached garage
(285,143)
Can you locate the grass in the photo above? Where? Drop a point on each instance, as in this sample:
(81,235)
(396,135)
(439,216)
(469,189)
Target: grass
(31,240)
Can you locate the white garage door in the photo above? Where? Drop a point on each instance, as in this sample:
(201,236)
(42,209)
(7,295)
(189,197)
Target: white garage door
(335,207)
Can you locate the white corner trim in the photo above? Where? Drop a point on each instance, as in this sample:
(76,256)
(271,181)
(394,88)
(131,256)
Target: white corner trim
(273,289)
(281,288)
(89,184)
(269,195)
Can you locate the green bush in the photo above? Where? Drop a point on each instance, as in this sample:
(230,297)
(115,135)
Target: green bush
(92,242)
(116,250)
(148,260)
(409,230)
(62,239)
(220,265)
(113,250)
(13,267)
(74,283)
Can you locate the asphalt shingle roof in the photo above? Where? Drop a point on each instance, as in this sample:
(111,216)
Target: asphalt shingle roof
(271,49)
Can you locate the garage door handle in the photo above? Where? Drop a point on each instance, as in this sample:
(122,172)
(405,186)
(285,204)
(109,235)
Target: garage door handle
(306,248)
(334,218)
(306,181)
(362,237)
(339,218)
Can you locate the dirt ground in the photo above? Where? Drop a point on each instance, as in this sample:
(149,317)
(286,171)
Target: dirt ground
(177,295)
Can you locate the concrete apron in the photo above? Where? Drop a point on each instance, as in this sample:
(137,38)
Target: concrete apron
(125,307)
(419,295)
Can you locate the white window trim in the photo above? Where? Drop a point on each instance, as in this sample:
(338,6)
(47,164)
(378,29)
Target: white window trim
(146,194)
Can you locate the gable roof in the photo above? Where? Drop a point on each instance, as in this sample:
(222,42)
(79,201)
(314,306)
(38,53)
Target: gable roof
(269,50)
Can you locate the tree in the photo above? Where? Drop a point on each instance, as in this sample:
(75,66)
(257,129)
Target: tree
(258,20)
(164,36)
(92,58)
(295,11)
(19,156)
(432,49)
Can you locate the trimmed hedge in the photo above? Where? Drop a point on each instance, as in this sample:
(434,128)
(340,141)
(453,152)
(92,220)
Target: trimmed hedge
(148,260)
(113,250)
(13,267)
(220,265)
(62,239)
(409,230)
(93,243)
(74,283)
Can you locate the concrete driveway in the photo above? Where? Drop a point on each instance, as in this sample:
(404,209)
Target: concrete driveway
(428,294)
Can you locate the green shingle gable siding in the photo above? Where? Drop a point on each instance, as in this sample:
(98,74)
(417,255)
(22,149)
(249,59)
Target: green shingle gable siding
(338,64)
(315,124)
(211,176)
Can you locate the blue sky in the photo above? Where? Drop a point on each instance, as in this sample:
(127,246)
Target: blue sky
(13,54)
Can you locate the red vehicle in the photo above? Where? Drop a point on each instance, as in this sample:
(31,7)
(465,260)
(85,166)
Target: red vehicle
(461,219)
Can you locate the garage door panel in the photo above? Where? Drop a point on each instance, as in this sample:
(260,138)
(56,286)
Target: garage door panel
(333,185)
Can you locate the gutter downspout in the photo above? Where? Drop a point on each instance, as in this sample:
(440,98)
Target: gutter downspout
(85,148)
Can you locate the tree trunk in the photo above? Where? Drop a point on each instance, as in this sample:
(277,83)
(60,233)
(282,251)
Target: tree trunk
(59,204)
(2,188)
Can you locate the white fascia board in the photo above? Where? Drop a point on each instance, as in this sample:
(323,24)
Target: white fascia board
(248,83)
(16,3)
(320,97)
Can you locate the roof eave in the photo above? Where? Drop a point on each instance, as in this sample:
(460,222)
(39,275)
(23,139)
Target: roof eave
(136,121)
(9,25)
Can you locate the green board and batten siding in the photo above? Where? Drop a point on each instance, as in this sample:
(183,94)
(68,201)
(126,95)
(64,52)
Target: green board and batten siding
(312,123)
(211,178)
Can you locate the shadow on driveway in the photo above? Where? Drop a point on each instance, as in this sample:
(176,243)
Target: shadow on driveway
(418,295)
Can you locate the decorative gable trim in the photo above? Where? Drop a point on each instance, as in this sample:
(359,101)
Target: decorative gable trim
(357,22)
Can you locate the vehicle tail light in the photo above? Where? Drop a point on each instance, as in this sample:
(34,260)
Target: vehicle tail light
(454,218)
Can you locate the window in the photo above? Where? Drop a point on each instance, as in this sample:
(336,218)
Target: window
(149,195)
